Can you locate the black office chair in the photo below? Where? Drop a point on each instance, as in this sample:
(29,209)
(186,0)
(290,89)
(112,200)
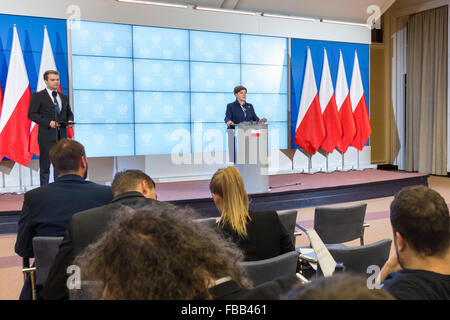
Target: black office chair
(289,221)
(45,250)
(270,269)
(336,225)
(358,259)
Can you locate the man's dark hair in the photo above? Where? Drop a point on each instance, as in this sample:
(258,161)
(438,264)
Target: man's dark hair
(341,286)
(421,216)
(239,88)
(46,73)
(159,252)
(66,155)
(128,180)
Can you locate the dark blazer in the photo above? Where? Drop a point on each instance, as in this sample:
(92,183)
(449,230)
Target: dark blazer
(42,110)
(47,210)
(234,113)
(85,228)
(267,237)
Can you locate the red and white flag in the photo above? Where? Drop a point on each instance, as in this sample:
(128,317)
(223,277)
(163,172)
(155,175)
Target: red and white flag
(310,130)
(344,108)
(359,108)
(329,110)
(14,123)
(1,103)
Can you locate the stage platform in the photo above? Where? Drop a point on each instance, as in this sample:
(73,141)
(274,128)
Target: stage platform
(287,191)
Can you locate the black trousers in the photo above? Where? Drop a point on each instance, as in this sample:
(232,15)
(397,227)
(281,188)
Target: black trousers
(44,161)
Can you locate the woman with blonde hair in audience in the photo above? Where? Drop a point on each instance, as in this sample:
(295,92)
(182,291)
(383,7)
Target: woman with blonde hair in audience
(259,234)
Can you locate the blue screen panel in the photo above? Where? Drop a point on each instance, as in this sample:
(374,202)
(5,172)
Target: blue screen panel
(264,79)
(209,137)
(160,75)
(209,107)
(102,39)
(278,135)
(162,139)
(102,73)
(103,106)
(103,140)
(263,50)
(215,47)
(160,43)
(274,107)
(157,107)
(214,77)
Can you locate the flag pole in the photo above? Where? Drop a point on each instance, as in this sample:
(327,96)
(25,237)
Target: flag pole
(20,179)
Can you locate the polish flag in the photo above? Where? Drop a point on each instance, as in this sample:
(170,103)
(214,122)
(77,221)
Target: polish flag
(1,103)
(344,108)
(310,130)
(329,110)
(359,108)
(14,123)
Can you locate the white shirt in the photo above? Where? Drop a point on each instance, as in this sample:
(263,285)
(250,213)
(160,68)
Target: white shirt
(58,98)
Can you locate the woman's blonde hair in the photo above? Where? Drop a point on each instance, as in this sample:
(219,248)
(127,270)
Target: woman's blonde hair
(229,185)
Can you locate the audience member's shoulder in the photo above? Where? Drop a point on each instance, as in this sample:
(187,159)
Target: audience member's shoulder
(418,284)
(268,214)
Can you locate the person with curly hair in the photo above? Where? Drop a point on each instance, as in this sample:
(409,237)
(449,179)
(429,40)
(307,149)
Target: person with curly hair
(260,235)
(160,252)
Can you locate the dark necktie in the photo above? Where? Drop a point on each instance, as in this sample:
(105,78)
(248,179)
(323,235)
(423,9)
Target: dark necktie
(56,101)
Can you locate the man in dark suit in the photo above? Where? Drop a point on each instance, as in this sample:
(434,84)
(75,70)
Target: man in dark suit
(131,188)
(240,110)
(49,109)
(47,210)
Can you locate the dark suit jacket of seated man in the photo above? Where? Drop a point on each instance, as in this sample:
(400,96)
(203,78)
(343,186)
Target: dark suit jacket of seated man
(47,210)
(87,226)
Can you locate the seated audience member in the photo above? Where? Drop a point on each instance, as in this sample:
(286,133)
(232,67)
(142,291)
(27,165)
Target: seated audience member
(340,286)
(158,252)
(420,268)
(260,235)
(131,188)
(47,210)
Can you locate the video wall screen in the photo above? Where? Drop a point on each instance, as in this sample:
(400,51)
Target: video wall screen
(148,90)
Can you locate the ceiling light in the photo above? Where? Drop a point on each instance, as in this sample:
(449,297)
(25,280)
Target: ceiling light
(286,17)
(348,23)
(224,10)
(163,4)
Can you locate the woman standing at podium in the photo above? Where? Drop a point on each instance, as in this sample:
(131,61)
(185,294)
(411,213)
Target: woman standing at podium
(259,234)
(240,110)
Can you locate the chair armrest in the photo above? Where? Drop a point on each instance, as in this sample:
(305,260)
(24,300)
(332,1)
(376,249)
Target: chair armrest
(307,258)
(301,278)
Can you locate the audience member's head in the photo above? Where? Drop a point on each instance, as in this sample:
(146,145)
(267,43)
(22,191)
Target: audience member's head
(68,157)
(340,286)
(229,195)
(420,222)
(133,180)
(158,252)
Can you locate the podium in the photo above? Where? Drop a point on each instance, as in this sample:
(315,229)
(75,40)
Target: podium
(248,150)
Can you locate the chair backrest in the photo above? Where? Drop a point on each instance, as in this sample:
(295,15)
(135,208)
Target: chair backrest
(339,224)
(270,269)
(209,222)
(288,219)
(45,250)
(358,259)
